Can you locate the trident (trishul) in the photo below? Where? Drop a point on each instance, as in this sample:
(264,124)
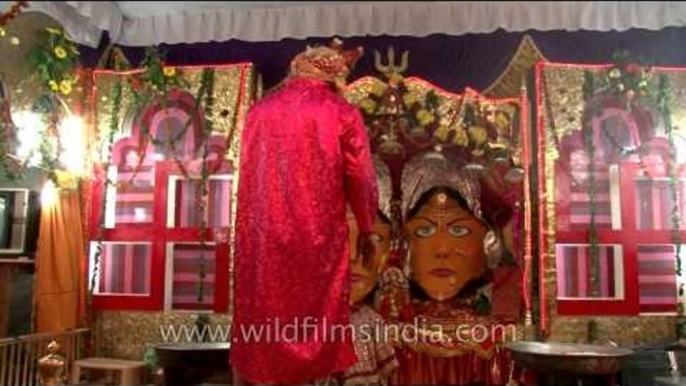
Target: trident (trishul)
(391,67)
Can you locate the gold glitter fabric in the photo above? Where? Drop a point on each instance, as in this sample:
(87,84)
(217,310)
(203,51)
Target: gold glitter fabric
(304,153)
(376,357)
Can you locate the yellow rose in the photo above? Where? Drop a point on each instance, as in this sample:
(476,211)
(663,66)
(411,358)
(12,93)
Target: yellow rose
(395,79)
(169,71)
(53,85)
(378,89)
(442,132)
(461,138)
(60,52)
(368,105)
(65,87)
(478,134)
(502,121)
(425,117)
(65,179)
(409,99)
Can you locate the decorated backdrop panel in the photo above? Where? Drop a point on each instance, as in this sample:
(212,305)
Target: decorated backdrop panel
(611,187)
(163,208)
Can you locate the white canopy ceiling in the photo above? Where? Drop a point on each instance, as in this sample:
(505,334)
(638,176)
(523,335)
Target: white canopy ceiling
(140,23)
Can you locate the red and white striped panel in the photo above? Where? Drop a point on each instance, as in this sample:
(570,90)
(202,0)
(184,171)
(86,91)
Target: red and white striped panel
(657,278)
(134,200)
(125,269)
(580,200)
(574,267)
(188,194)
(654,204)
(186,280)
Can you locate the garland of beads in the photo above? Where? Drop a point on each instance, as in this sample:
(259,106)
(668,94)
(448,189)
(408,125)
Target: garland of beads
(208,80)
(587,129)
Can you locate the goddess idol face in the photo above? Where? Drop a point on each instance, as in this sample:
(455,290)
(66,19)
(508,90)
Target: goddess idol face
(446,246)
(363,278)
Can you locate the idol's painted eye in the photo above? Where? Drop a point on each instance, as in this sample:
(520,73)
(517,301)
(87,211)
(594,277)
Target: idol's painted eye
(376,237)
(425,231)
(459,231)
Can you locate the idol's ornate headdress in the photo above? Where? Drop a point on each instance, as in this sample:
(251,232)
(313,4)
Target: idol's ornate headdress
(385,187)
(328,63)
(431,170)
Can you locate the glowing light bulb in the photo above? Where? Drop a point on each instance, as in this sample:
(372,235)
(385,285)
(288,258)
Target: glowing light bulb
(73,156)
(48,195)
(30,128)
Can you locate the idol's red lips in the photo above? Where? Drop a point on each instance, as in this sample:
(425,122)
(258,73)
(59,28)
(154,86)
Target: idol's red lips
(356,277)
(442,272)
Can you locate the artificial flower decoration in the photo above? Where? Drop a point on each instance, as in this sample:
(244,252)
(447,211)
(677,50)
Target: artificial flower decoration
(425,117)
(629,78)
(478,134)
(65,87)
(169,71)
(368,105)
(65,179)
(54,61)
(410,99)
(461,137)
(378,89)
(501,121)
(402,114)
(60,52)
(418,110)
(158,77)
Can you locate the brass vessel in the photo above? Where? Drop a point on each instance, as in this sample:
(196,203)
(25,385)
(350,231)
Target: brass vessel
(52,367)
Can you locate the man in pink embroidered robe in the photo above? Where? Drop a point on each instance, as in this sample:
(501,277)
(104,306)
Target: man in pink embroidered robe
(305,153)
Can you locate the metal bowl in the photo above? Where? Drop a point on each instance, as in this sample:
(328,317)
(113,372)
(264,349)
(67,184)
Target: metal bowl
(568,357)
(199,354)
(192,363)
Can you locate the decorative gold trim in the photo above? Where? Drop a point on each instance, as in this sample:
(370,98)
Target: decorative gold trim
(509,82)
(249,90)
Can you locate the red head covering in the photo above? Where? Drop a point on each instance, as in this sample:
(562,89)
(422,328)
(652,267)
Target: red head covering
(328,63)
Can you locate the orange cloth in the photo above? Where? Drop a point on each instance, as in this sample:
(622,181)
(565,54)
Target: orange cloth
(60,285)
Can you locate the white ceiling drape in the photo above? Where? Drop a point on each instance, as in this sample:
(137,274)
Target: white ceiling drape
(148,23)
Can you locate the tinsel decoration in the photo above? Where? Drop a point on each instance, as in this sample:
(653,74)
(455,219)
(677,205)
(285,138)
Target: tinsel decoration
(664,99)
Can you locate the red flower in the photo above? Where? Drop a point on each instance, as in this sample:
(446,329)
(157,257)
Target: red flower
(135,84)
(632,68)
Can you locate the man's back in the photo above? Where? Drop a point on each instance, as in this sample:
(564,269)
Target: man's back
(294,138)
(304,151)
